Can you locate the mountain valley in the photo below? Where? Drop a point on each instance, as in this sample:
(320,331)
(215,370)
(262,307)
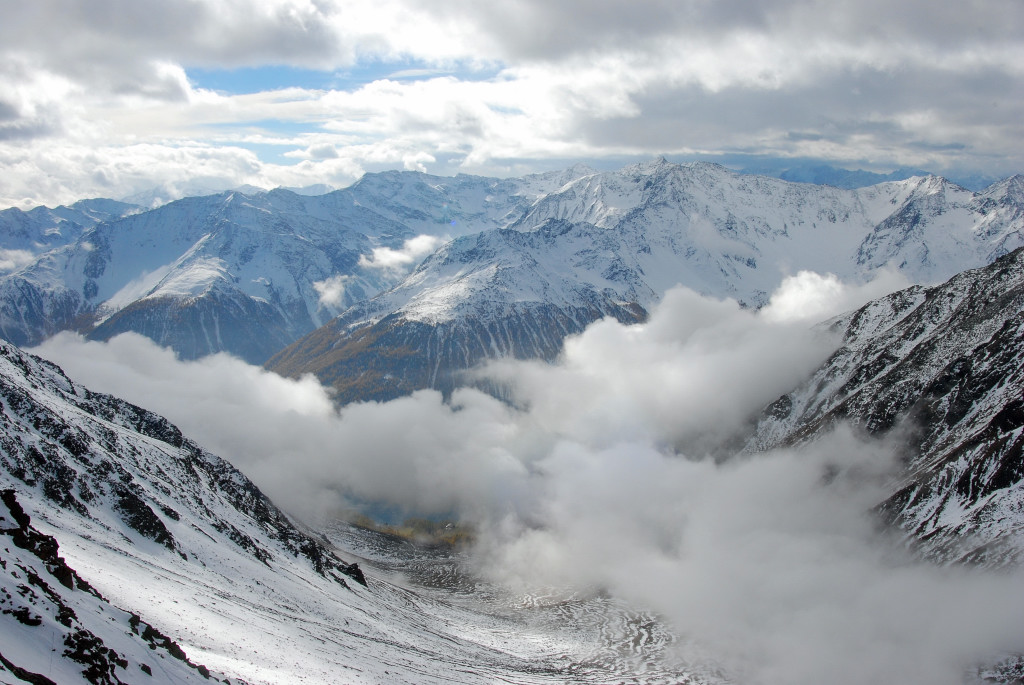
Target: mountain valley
(549,361)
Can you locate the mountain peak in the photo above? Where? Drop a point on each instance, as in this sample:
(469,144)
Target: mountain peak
(649,167)
(1011,187)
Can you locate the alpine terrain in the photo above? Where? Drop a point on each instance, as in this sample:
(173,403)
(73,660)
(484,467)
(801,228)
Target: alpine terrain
(128,554)
(941,367)
(611,244)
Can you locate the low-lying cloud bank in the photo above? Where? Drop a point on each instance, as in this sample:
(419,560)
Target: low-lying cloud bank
(617,467)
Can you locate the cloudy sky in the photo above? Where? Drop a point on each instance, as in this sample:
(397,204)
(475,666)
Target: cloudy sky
(112,97)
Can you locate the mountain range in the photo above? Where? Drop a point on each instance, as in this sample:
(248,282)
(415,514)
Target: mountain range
(326,283)
(129,552)
(611,244)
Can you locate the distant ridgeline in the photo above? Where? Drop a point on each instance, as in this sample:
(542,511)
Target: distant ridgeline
(336,285)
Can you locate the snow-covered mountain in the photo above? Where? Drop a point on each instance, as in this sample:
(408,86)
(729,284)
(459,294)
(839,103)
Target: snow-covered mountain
(24,235)
(940,367)
(123,487)
(611,244)
(245,273)
(532,260)
(129,554)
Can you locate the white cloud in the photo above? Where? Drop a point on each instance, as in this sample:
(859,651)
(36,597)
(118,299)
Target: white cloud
(811,297)
(332,290)
(417,453)
(12,260)
(413,250)
(600,479)
(689,378)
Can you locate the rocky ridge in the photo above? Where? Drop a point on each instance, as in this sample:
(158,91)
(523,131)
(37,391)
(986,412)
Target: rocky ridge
(939,369)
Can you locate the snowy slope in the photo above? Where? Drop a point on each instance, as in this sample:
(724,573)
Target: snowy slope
(168,533)
(940,367)
(43,228)
(57,628)
(243,272)
(611,244)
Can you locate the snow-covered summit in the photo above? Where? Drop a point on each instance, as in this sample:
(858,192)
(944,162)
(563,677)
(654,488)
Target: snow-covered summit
(612,243)
(250,272)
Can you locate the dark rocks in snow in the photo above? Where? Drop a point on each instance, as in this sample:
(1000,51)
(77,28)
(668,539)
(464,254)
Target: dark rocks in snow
(43,547)
(942,367)
(98,662)
(140,517)
(90,453)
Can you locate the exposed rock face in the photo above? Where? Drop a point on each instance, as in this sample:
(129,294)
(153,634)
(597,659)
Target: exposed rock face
(943,365)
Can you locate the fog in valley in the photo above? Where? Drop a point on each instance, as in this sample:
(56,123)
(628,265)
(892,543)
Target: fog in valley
(620,468)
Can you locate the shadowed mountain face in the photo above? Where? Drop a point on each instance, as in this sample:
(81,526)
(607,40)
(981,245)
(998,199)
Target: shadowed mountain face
(940,367)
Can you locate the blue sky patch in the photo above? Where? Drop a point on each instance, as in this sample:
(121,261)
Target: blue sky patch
(248,80)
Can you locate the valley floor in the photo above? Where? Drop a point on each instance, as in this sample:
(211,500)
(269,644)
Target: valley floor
(422,619)
(573,637)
